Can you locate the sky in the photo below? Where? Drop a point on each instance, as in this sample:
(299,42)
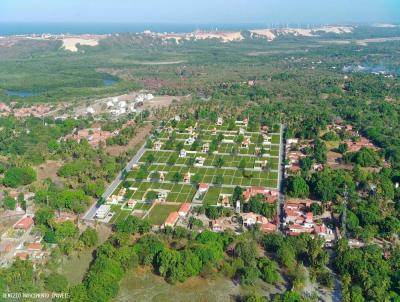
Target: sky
(202,11)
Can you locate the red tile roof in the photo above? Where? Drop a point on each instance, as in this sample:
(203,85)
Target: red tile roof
(172,218)
(24,223)
(22,255)
(35,247)
(185,207)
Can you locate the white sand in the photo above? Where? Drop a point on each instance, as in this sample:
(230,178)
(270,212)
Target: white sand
(71,43)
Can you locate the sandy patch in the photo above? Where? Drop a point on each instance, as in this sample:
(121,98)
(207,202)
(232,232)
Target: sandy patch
(70,44)
(271,34)
(49,170)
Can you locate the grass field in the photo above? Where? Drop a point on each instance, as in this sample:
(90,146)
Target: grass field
(222,180)
(160,212)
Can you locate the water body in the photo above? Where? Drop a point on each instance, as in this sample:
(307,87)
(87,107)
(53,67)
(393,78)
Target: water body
(109,82)
(21,93)
(27,28)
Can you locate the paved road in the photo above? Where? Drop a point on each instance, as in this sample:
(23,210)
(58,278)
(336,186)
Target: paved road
(89,215)
(281,172)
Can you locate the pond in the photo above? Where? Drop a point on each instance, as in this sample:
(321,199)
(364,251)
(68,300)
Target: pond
(109,82)
(142,285)
(21,93)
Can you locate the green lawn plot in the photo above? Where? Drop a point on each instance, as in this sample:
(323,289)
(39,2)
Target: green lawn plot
(275,138)
(177,192)
(274,152)
(160,212)
(212,195)
(119,214)
(142,206)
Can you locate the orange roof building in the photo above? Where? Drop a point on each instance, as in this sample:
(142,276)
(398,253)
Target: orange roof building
(171,219)
(24,223)
(184,209)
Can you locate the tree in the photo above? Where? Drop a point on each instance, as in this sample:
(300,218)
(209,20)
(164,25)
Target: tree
(177,177)
(219,162)
(297,187)
(218,180)
(56,283)
(242,164)
(316,209)
(343,148)
(9,203)
(268,270)
(43,215)
(150,158)
(172,160)
(89,237)
(65,230)
(19,176)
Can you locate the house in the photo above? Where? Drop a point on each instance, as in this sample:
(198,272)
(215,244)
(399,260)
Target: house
(268,227)
(186,177)
(171,219)
(296,229)
(22,255)
(103,211)
(220,121)
(34,247)
(215,226)
(251,218)
(182,153)
(24,223)
(206,147)
(292,141)
(203,187)
(270,195)
(157,145)
(184,209)
(323,231)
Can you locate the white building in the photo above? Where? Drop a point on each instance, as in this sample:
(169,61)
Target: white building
(103,211)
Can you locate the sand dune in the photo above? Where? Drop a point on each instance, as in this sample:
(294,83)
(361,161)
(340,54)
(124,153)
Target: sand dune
(271,34)
(71,43)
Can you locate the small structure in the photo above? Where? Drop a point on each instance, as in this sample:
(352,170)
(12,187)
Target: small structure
(246,142)
(268,227)
(184,209)
(241,130)
(215,226)
(182,153)
(162,196)
(246,122)
(220,121)
(199,161)
(103,211)
(157,145)
(131,203)
(206,147)
(171,219)
(214,131)
(189,141)
(162,176)
(224,201)
(203,187)
(186,178)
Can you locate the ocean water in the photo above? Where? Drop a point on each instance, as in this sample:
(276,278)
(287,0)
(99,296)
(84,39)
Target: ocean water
(8,29)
